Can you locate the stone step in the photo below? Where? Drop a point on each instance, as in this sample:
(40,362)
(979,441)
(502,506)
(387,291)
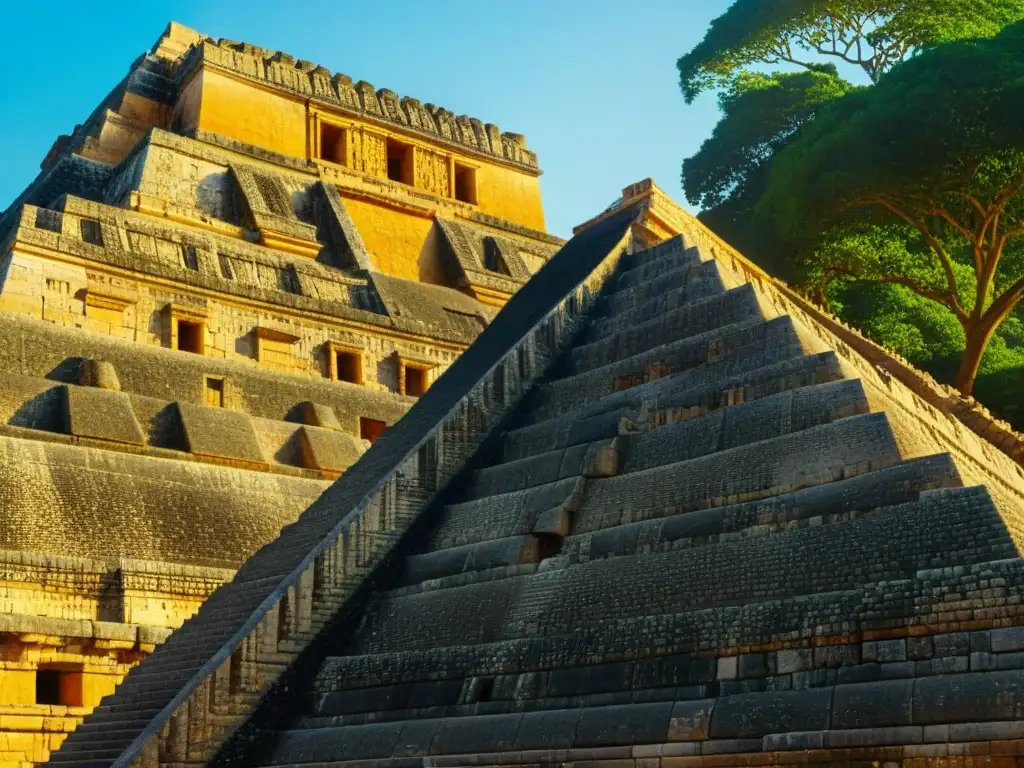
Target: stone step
(730,343)
(495,517)
(902,483)
(946,528)
(532,667)
(654,253)
(836,715)
(482,556)
(570,429)
(687,435)
(593,459)
(111,746)
(511,556)
(650,269)
(669,290)
(734,306)
(654,392)
(681,440)
(822,454)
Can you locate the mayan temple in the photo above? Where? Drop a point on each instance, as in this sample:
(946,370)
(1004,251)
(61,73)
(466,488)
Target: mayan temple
(647,507)
(220,289)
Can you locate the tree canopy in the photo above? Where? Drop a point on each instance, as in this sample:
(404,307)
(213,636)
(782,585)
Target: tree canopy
(871,34)
(728,175)
(760,113)
(930,164)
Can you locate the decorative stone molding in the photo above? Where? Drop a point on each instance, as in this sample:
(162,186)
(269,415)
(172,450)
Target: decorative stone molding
(282,72)
(108,297)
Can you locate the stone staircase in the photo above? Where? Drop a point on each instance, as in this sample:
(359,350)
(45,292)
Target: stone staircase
(695,540)
(210,689)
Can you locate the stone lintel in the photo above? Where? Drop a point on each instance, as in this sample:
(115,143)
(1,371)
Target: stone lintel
(273,333)
(189,312)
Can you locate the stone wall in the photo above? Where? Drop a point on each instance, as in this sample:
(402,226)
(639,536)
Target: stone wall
(38,349)
(94,503)
(87,620)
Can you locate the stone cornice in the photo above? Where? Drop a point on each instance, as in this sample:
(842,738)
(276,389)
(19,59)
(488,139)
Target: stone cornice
(336,92)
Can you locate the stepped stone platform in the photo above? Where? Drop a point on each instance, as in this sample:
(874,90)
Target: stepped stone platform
(689,525)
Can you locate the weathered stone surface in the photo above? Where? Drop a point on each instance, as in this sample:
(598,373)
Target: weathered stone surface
(792,559)
(102,414)
(221,433)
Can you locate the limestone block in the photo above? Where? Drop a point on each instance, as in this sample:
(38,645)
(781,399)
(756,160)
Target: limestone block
(102,414)
(629,724)
(548,730)
(690,720)
(99,373)
(219,432)
(872,705)
(602,460)
(796,660)
(754,715)
(329,449)
(1010,639)
(727,668)
(555,521)
(885,650)
(463,735)
(319,415)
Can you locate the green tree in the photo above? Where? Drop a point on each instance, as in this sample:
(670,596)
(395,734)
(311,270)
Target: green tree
(873,35)
(917,182)
(728,175)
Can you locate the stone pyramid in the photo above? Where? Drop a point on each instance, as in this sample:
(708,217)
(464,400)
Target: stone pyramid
(664,512)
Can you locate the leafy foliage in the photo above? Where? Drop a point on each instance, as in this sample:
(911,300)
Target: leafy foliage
(929,336)
(728,175)
(918,182)
(871,34)
(760,113)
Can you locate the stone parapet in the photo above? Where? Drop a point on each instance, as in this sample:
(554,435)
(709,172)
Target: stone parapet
(280,71)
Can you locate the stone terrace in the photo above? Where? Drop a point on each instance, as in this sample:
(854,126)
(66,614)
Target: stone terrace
(696,543)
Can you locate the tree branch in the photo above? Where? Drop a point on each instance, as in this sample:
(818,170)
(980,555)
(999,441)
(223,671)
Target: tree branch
(906,282)
(1005,304)
(936,246)
(995,250)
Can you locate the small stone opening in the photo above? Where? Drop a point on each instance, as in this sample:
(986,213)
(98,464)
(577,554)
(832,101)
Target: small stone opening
(91,232)
(493,261)
(415,381)
(59,685)
(332,143)
(288,280)
(399,162)
(371,429)
(190,258)
(190,337)
(349,367)
(465,184)
(485,689)
(213,392)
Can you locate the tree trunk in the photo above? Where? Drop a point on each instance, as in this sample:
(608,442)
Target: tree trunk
(977,340)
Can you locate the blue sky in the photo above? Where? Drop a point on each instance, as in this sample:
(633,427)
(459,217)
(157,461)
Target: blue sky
(591,83)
